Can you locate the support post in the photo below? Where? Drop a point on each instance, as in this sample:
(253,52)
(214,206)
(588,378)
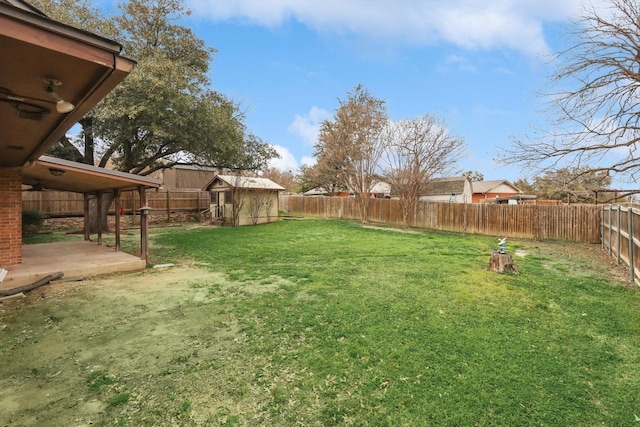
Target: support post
(118,204)
(87,230)
(99,205)
(168,206)
(602,227)
(144,223)
(610,230)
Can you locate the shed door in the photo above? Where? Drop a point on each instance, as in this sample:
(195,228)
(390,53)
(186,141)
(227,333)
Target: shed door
(220,207)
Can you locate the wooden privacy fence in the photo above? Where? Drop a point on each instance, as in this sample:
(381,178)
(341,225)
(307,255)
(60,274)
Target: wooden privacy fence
(167,202)
(579,223)
(621,237)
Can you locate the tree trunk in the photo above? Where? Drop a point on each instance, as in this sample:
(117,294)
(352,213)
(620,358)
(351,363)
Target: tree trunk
(107,200)
(500,263)
(363,207)
(89,145)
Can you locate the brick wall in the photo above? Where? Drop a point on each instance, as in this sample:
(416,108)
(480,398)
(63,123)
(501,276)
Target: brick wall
(10,217)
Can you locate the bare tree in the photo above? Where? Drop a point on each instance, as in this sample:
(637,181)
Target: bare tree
(594,98)
(258,202)
(563,183)
(285,178)
(417,150)
(349,146)
(238,197)
(268,205)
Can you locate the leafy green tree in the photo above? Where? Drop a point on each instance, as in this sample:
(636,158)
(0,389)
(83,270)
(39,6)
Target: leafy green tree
(164,113)
(349,146)
(474,176)
(525,186)
(80,14)
(319,175)
(579,183)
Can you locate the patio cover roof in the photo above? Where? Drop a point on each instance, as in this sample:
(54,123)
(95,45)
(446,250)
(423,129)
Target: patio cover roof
(84,66)
(81,178)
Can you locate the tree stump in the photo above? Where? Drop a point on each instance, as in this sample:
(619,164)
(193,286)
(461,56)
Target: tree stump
(500,263)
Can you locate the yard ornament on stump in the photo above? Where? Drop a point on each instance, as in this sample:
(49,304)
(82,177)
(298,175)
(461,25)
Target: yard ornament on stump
(501,261)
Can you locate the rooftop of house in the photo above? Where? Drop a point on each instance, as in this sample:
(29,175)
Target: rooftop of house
(446,186)
(488,186)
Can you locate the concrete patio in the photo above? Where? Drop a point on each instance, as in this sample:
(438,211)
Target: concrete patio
(72,258)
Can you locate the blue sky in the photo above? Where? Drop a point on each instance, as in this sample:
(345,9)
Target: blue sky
(475,64)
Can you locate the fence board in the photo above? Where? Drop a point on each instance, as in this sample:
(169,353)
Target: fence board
(579,223)
(621,237)
(62,203)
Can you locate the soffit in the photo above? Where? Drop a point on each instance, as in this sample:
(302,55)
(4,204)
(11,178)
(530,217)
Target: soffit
(33,48)
(81,178)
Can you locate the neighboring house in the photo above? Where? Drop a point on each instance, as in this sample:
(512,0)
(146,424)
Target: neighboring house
(381,190)
(500,188)
(51,75)
(318,191)
(452,190)
(253,200)
(183,177)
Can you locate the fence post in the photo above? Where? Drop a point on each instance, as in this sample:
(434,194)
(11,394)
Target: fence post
(602,227)
(619,234)
(631,245)
(168,205)
(610,230)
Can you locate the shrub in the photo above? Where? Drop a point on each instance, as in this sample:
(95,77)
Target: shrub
(32,220)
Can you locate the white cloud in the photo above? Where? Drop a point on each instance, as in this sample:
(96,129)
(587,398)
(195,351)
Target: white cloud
(470,24)
(456,62)
(308,125)
(308,161)
(286,162)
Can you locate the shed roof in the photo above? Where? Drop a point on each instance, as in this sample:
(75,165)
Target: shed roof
(446,186)
(247,182)
(81,178)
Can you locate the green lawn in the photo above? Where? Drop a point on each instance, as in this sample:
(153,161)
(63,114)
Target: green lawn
(322,323)
(386,328)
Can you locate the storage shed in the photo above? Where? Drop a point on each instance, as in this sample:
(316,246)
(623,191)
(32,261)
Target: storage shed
(243,200)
